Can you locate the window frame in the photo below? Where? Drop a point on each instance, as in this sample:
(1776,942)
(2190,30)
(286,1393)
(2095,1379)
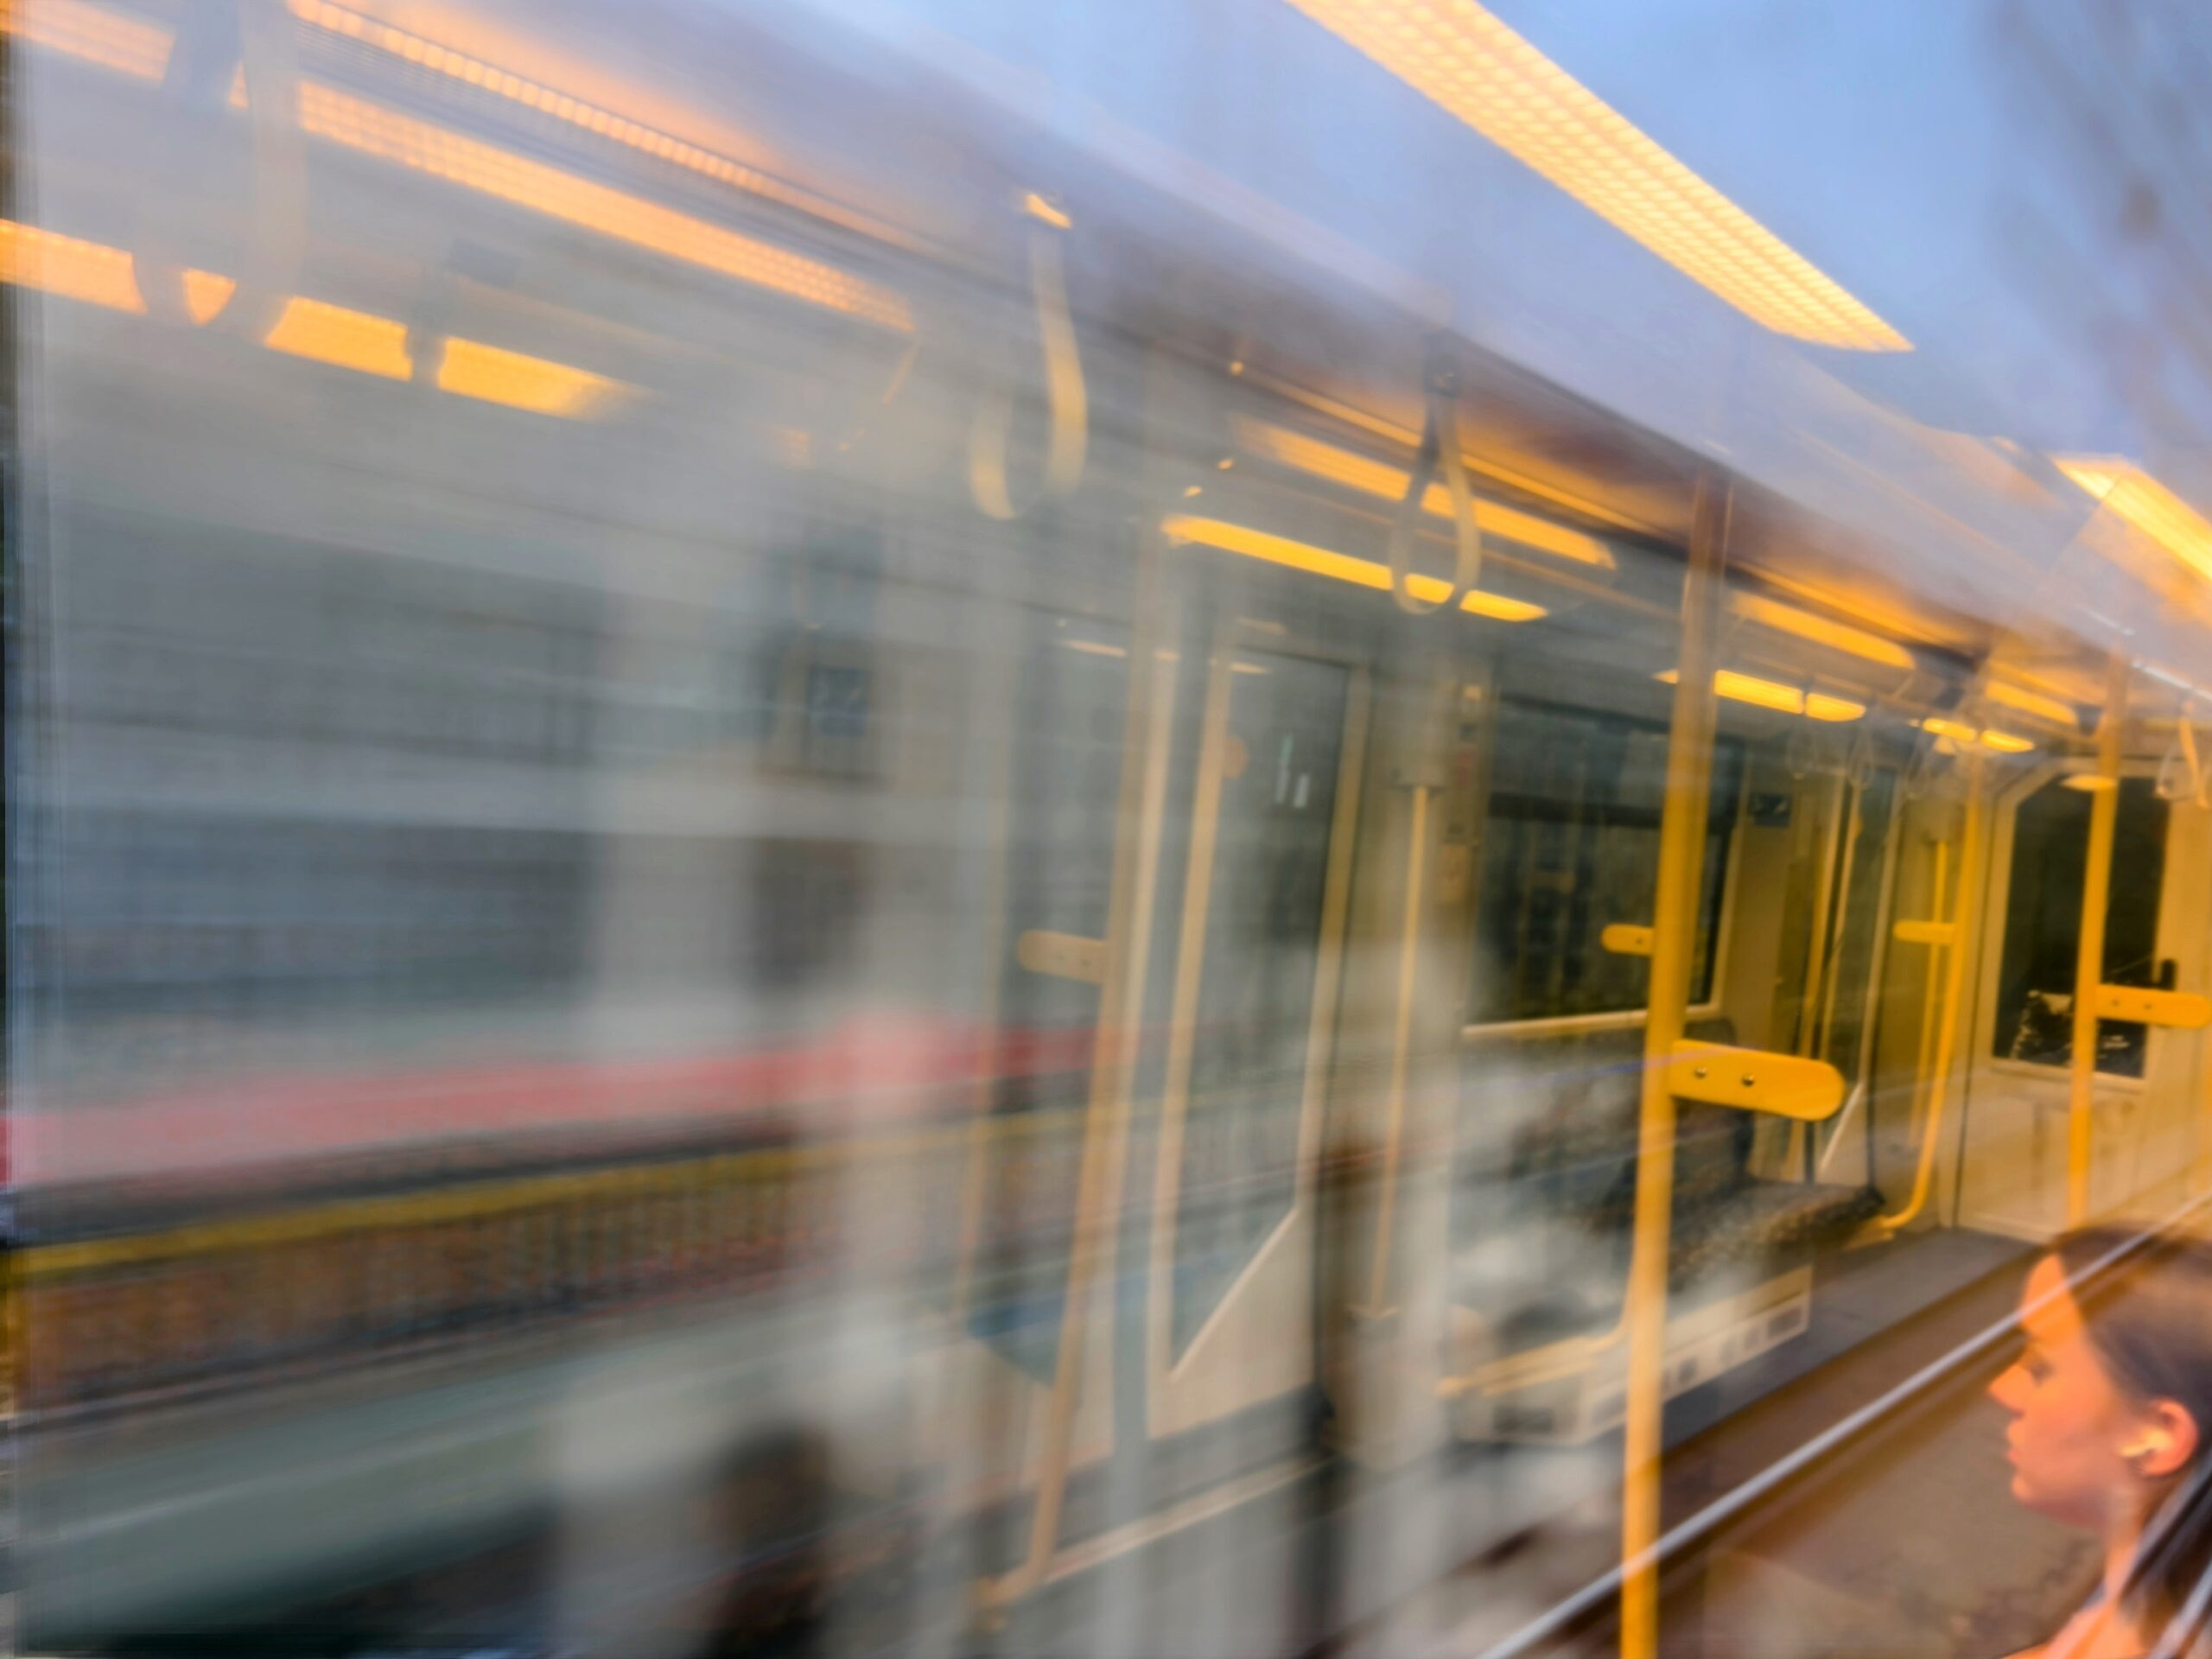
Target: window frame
(1475,1033)
(1993,922)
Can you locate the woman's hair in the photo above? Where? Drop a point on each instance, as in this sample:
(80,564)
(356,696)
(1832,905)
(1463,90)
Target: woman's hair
(2147,1304)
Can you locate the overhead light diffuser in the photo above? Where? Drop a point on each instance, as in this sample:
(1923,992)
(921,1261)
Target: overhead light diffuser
(1381,479)
(442,59)
(1461,57)
(1771,694)
(2031,702)
(1959,732)
(2147,505)
(1821,630)
(1338,567)
(362,341)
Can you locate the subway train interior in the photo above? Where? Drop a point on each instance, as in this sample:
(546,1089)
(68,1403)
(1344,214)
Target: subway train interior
(1220,828)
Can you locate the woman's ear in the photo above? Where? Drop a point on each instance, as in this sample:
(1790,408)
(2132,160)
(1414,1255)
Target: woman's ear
(2167,1441)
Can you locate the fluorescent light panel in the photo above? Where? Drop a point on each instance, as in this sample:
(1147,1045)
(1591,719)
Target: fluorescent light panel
(359,340)
(1464,59)
(1182,528)
(1821,630)
(1959,732)
(101,36)
(442,58)
(2147,505)
(2031,702)
(1771,694)
(1379,479)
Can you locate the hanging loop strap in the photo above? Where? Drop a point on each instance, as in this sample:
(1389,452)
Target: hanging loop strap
(1066,402)
(1438,457)
(1802,755)
(1859,766)
(2181,774)
(216,39)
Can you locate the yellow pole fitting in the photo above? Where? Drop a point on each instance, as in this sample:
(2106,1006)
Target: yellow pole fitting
(2090,955)
(1674,928)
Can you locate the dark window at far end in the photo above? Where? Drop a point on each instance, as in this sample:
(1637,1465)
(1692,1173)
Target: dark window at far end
(1571,846)
(2043,923)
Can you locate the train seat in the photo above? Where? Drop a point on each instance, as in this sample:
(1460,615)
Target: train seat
(1550,1266)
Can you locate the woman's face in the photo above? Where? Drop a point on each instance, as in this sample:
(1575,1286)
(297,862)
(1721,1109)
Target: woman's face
(2070,1421)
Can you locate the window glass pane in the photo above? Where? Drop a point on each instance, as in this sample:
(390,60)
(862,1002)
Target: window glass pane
(2043,910)
(1845,1019)
(1572,846)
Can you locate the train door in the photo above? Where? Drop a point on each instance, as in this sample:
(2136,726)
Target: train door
(2013,1154)
(1249,758)
(1229,1314)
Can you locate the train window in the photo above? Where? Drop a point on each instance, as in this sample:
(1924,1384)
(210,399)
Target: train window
(1572,846)
(1857,898)
(2042,922)
(1265,932)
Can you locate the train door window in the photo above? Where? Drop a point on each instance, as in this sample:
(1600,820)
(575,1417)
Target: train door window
(1572,846)
(1857,898)
(2043,924)
(1064,771)
(1250,1013)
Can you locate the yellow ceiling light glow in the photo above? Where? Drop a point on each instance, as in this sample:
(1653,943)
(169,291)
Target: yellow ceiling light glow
(2147,505)
(128,46)
(493,375)
(1959,732)
(1252,543)
(2031,702)
(1462,58)
(135,47)
(1379,479)
(69,268)
(102,37)
(1821,630)
(72,268)
(441,59)
(343,338)
(423,146)
(1771,694)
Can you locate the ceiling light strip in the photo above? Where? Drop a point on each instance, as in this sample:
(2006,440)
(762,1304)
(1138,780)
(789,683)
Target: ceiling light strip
(1379,479)
(1251,543)
(2146,503)
(1464,59)
(439,152)
(425,53)
(74,268)
(1772,693)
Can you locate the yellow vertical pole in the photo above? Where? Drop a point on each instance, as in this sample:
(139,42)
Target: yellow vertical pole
(1931,990)
(1965,918)
(1794,1162)
(1401,1043)
(2089,959)
(1674,930)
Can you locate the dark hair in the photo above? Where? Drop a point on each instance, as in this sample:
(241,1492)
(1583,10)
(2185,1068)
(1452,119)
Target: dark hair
(2147,1304)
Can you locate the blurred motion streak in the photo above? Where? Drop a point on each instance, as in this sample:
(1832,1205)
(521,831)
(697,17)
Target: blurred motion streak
(128,46)
(1821,630)
(1460,56)
(607,124)
(1252,543)
(2146,503)
(74,268)
(1768,694)
(1379,479)
(423,146)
